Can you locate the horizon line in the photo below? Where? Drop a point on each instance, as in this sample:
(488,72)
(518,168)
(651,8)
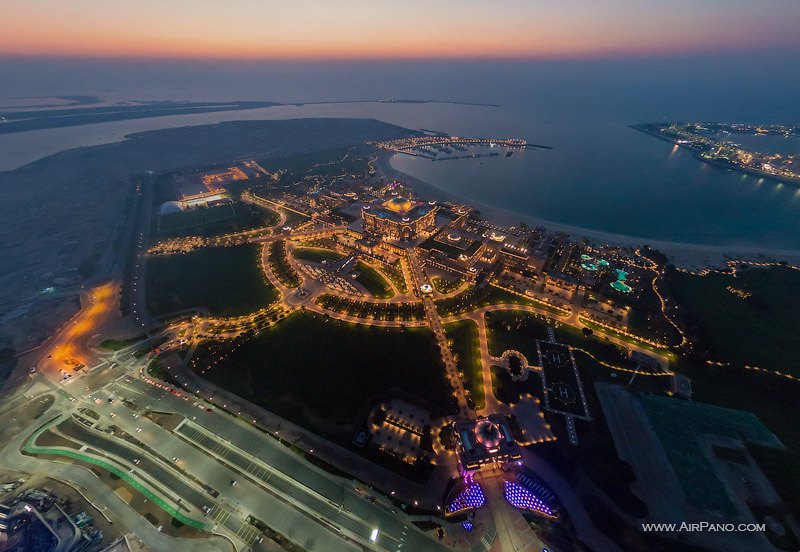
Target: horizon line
(597,56)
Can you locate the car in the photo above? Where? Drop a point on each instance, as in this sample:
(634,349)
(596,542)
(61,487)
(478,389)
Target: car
(233,482)
(33,369)
(136,461)
(113,415)
(138,430)
(207,509)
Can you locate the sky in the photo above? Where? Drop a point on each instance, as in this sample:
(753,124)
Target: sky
(380,29)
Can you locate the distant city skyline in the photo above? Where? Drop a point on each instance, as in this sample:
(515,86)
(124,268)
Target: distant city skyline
(357,29)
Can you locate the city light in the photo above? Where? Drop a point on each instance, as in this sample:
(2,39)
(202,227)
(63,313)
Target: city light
(523,499)
(470,498)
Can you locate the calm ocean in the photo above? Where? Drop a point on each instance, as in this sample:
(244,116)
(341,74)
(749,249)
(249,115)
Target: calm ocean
(601,174)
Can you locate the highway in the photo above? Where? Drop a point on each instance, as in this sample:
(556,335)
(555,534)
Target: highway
(311,507)
(268,465)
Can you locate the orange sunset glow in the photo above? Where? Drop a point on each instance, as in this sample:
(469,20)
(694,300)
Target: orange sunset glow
(356,29)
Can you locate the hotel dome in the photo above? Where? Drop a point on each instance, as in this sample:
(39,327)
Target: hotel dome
(398,205)
(488,434)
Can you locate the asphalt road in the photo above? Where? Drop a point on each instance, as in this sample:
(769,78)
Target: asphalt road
(331,498)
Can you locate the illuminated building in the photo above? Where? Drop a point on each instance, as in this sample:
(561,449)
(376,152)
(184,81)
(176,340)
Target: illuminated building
(485,441)
(528,492)
(400,219)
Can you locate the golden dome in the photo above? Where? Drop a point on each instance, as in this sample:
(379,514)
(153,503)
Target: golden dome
(398,205)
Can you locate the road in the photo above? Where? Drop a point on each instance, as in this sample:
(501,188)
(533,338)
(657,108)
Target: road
(314,490)
(313,508)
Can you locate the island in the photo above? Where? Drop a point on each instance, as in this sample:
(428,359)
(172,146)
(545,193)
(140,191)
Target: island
(720,144)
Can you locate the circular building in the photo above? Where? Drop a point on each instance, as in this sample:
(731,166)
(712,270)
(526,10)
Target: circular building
(488,434)
(170,207)
(398,205)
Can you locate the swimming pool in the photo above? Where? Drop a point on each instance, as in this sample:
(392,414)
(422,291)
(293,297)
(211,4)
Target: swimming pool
(621,286)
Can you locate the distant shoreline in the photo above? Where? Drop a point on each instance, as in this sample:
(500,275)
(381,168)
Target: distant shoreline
(395,101)
(686,255)
(719,164)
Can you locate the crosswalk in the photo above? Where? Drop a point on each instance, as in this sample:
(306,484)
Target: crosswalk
(241,529)
(222,450)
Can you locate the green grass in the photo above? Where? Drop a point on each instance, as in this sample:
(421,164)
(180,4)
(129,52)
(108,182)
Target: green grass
(474,298)
(519,330)
(316,255)
(226,280)
(760,330)
(466,349)
(214,221)
(332,369)
(117,344)
(622,337)
(373,281)
(294,219)
(31,448)
(364,309)
(443,285)
(280,265)
(302,161)
(508,391)
(395,273)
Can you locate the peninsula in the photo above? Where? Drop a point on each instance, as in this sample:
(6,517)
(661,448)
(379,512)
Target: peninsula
(720,144)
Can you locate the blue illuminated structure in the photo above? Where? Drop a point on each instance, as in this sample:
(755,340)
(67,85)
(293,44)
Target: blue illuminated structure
(470,498)
(524,499)
(467,525)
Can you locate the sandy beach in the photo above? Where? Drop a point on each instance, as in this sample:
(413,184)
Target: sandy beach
(686,255)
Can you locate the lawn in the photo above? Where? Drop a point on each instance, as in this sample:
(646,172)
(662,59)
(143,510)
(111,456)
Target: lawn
(365,309)
(759,329)
(519,330)
(225,280)
(280,265)
(214,221)
(117,344)
(333,369)
(508,391)
(373,281)
(466,349)
(316,255)
(303,161)
(443,285)
(476,297)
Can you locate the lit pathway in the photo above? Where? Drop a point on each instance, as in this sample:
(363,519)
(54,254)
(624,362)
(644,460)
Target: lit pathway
(435,323)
